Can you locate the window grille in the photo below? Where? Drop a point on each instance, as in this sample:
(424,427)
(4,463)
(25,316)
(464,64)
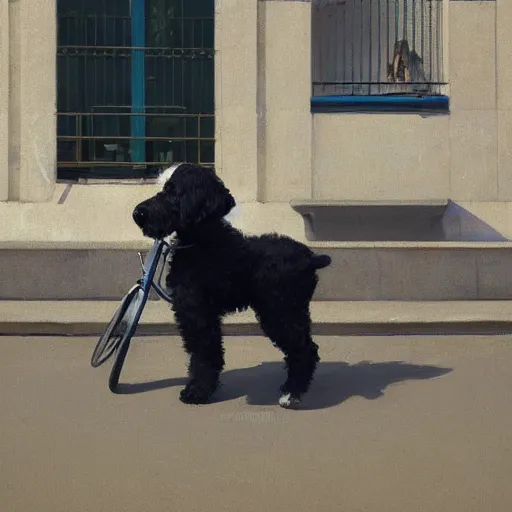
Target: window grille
(377,47)
(135,86)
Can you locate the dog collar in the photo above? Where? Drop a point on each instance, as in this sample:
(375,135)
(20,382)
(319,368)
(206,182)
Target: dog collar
(174,245)
(178,246)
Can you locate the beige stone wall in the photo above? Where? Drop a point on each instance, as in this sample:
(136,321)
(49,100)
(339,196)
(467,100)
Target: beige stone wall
(4,99)
(380,156)
(14,111)
(236,26)
(284,100)
(473,119)
(504,97)
(27,100)
(37,106)
(263,89)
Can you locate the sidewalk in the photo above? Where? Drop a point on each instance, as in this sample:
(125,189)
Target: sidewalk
(329,318)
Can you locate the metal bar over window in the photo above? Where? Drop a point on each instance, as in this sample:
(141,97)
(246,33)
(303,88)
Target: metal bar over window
(138,125)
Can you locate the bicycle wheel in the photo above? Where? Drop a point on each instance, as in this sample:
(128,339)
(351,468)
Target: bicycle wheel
(131,316)
(113,334)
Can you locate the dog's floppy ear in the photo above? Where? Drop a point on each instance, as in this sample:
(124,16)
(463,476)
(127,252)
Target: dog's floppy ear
(205,197)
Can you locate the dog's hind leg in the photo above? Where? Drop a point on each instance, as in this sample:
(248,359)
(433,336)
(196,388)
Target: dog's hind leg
(202,340)
(290,331)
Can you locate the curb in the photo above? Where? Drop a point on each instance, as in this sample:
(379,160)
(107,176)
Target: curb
(89,318)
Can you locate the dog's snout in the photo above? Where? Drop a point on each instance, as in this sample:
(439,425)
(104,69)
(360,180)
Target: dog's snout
(140,215)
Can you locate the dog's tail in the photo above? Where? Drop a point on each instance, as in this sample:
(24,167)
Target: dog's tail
(319,261)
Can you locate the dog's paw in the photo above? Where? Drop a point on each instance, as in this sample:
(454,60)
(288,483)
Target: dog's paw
(288,400)
(195,394)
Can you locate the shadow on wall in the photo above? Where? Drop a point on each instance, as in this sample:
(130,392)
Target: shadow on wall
(460,224)
(334,382)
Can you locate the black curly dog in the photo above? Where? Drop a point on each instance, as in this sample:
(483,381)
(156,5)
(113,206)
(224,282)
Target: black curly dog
(217,270)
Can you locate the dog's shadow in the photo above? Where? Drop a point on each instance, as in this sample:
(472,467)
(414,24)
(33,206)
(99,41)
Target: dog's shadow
(334,382)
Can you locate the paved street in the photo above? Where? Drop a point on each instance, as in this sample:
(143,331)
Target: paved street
(391,424)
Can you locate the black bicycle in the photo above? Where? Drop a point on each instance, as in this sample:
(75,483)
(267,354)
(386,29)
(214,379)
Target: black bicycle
(119,332)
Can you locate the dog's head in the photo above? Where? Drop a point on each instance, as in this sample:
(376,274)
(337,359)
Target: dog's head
(190,196)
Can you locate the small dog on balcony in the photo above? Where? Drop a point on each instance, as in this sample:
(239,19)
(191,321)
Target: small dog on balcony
(217,270)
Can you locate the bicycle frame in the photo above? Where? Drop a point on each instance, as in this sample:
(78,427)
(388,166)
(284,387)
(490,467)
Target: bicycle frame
(160,248)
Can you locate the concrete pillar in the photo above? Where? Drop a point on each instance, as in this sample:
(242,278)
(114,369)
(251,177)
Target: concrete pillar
(504,97)
(504,53)
(4,99)
(284,96)
(473,117)
(235,96)
(32,100)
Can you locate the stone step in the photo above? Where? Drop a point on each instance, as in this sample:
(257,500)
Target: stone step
(359,271)
(83,246)
(329,318)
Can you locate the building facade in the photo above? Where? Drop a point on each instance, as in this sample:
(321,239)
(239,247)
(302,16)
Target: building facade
(330,99)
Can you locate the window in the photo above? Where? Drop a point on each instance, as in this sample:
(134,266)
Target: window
(135,86)
(378,54)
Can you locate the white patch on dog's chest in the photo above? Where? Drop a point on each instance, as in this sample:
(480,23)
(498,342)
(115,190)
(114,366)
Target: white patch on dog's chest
(235,213)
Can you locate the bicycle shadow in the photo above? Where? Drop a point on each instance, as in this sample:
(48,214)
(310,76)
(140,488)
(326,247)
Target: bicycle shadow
(334,383)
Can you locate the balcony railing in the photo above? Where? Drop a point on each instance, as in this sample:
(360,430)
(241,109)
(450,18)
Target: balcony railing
(103,139)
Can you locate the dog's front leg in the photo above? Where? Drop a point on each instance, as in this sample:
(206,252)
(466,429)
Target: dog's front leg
(202,340)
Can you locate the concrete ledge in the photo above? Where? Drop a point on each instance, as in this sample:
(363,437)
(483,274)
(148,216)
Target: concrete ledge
(329,318)
(88,217)
(435,221)
(100,217)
